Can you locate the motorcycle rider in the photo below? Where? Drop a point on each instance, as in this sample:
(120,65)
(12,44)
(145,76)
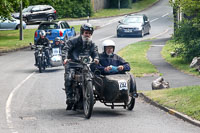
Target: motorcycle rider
(57,43)
(43,40)
(110,63)
(72,49)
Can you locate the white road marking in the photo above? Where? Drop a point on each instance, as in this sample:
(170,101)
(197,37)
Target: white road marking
(8,103)
(157,45)
(165,15)
(112,21)
(160,33)
(154,19)
(106,38)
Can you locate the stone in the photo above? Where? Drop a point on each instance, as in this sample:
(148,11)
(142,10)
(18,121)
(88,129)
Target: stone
(159,83)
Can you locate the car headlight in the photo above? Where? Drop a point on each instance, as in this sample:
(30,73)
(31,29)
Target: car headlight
(138,28)
(119,28)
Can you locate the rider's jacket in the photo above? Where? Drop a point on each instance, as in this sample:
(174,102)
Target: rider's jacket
(114,60)
(74,47)
(60,45)
(43,41)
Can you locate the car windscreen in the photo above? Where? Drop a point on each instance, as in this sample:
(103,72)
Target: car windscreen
(133,20)
(48,26)
(28,9)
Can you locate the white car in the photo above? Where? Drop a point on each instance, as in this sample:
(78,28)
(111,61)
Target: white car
(13,23)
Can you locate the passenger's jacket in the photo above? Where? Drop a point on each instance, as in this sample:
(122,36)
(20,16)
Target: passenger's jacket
(74,47)
(114,60)
(43,41)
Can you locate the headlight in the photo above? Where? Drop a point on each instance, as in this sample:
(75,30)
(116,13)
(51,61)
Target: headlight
(119,28)
(138,28)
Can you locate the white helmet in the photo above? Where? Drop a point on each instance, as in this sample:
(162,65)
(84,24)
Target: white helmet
(106,43)
(42,33)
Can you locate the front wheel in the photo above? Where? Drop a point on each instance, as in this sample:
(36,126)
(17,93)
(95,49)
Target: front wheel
(50,18)
(142,33)
(88,100)
(40,64)
(131,103)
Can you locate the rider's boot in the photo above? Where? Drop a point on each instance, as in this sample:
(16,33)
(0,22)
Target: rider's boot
(70,101)
(70,97)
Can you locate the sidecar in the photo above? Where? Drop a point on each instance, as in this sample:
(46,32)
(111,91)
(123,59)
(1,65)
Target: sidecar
(55,57)
(114,90)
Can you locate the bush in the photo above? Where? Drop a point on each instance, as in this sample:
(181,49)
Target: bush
(123,3)
(187,38)
(68,8)
(75,9)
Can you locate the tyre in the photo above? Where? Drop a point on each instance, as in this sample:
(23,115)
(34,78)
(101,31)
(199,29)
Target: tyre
(131,103)
(118,35)
(25,20)
(50,18)
(88,100)
(40,64)
(17,27)
(43,63)
(142,33)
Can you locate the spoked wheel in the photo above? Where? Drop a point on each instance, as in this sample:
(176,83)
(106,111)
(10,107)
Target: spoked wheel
(43,63)
(88,100)
(40,64)
(131,103)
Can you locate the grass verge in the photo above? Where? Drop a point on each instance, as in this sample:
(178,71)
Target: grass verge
(177,62)
(9,39)
(135,54)
(184,99)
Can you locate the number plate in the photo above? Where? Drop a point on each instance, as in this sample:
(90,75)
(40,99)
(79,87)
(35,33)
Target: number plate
(123,85)
(55,51)
(127,30)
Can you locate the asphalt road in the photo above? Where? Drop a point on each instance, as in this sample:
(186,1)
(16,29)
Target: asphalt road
(33,102)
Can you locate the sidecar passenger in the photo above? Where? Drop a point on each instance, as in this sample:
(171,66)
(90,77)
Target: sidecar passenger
(111,65)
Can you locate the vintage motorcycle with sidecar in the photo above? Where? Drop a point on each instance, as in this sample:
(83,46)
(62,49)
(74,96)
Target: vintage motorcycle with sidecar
(88,86)
(55,57)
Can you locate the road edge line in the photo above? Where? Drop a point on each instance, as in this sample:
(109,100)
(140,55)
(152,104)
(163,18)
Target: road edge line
(9,100)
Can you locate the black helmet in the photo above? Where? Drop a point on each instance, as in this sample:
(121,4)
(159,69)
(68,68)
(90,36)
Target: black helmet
(57,39)
(86,27)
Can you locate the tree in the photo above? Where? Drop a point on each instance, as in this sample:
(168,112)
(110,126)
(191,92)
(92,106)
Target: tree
(9,6)
(187,35)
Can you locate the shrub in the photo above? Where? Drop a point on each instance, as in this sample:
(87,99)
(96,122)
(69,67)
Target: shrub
(123,3)
(187,37)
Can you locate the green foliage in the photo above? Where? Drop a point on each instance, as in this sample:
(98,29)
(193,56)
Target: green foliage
(183,99)
(68,8)
(9,6)
(188,31)
(135,54)
(178,62)
(187,37)
(123,3)
(9,40)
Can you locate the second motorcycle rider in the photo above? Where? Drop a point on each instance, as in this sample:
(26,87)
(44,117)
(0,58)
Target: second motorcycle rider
(71,51)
